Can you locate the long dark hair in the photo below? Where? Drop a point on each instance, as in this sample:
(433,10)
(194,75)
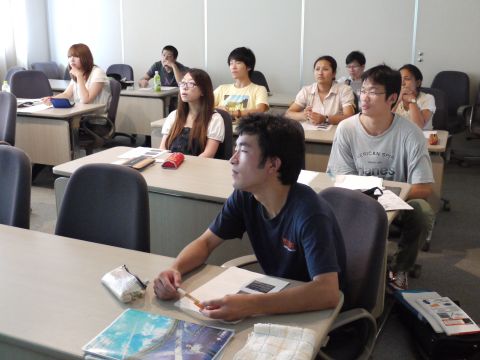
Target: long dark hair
(200,124)
(83,52)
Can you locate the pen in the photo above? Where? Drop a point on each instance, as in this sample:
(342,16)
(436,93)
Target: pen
(194,300)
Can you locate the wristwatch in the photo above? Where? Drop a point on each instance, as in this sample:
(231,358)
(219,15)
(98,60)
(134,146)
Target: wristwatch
(326,120)
(413,101)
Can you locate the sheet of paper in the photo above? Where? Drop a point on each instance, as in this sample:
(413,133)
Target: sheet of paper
(33,108)
(309,126)
(143,151)
(145,89)
(232,281)
(356,182)
(390,201)
(306,177)
(427,133)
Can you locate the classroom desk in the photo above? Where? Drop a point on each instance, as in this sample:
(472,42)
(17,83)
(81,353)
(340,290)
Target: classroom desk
(50,136)
(53,302)
(137,108)
(279,103)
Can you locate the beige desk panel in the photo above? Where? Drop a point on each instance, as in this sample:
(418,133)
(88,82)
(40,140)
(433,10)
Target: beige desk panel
(46,141)
(56,303)
(135,114)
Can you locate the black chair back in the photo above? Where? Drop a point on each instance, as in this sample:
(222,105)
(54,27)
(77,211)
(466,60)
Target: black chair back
(12,71)
(30,84)
(125,71)
(106,204)
(8,117)
(15,185)
(363,223)
(115,89)
(456,85)
(49,68)
(258,78)
(225,148)
(440,117)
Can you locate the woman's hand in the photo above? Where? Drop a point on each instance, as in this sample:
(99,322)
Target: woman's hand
(46,100)
(407,95)
(78,73)
(316,118)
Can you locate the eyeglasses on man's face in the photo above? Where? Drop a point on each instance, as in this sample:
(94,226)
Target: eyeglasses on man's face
(352,67)
(371,92)
(186,84)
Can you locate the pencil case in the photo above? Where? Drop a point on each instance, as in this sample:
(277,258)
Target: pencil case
(124,285)
(173,161)
(433,139)
(140,162)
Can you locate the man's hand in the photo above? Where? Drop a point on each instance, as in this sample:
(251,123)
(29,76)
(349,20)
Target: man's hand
(143,83)
(166,284)
(230,307)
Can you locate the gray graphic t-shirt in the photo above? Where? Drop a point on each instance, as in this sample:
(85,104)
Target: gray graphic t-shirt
(399,154)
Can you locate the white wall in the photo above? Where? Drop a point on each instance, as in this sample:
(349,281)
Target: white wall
(95,23)
(206,31)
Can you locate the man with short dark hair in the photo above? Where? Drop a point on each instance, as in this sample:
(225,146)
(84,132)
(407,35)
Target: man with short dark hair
(243,96)
(294,235)
(171,72)
(355,63)
(379,143)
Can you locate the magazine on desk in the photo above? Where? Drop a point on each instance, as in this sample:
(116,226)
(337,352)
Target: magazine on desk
(137,334)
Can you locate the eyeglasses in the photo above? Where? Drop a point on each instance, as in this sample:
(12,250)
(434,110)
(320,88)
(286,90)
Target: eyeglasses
(371,93)
(352,67)
(186,84)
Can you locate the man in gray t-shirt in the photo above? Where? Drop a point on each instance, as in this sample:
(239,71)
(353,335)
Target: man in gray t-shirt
(377,142)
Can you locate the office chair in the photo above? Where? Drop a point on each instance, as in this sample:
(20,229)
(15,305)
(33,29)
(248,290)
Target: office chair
(96,130)
(125,71)
(8,117)
(106,204)
(258,78)
(300,128)
(226,147)
(471,116)
(12,71)
(15,182)
(364,235)
(66,74)
(50,68)
(456,85)
(30,84)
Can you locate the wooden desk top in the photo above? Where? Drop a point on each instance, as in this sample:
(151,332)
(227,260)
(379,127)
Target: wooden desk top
(149,93)
(60,85)
(198,178)
(60,113)
(53,302)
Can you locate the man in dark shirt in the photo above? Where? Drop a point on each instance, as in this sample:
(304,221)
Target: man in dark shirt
(171,72)
(293,233)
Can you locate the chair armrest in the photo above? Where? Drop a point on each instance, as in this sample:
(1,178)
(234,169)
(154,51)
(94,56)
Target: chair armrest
(461,109)
(241,261)
(99,120)
(4,143)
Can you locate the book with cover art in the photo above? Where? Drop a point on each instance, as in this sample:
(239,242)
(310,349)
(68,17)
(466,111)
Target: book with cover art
(137,334)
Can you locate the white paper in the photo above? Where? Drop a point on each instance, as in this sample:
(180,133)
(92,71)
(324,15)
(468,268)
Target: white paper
(143,151)
(390,201)
(427,133)
(33,108)
(231,281)
(306,177)
(309,126)
(356,182)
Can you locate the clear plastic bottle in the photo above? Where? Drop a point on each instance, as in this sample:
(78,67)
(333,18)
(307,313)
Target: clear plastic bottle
(5,86)
(157,85)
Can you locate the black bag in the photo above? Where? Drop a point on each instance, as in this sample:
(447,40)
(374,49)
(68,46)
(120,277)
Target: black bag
(432,345)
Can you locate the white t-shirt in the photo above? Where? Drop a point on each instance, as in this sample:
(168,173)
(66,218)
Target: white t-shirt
(339,96)
(424,102)
(104,96)
(215,130)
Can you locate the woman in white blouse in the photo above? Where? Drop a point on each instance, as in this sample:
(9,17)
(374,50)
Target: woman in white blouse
(325,101)
(412,103)
(89,84)
(194,128)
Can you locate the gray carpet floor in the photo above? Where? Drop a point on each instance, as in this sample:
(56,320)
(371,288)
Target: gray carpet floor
(451,267)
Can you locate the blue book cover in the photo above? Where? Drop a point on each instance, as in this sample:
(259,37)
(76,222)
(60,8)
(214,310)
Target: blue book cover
(140,335)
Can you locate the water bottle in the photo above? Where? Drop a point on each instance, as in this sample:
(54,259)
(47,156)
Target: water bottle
(5,86)
(157,86)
